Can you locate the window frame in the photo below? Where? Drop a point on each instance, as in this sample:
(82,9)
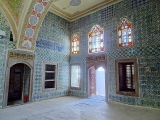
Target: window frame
(127,34)
(43,76)
(73,87)
(101,40)
(77,47)
(136,79)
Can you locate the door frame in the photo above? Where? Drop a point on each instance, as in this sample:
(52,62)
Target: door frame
(96,63)
(11,62)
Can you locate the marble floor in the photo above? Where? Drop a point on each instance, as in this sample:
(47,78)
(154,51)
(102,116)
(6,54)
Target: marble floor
(74,108)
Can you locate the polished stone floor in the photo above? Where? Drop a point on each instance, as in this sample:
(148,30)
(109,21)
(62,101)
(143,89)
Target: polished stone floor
(73,108)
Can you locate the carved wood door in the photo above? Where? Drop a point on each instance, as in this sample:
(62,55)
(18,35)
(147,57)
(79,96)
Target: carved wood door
(16,83)
(92,81)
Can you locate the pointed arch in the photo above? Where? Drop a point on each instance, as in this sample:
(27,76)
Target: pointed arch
(15,15)
(5,2)
(22,8)
(33,20)
(125,33)
(96,39)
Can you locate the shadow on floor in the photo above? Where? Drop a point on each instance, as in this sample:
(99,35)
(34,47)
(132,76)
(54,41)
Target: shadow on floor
(98,98)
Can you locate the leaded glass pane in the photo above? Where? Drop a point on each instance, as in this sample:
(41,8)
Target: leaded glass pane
(95,42)
(77,48)
(50,67)
(120,41)
(119,33)
(129,31)
(49,76)
(125,39)
(49,84)
(124,32)
(77,43)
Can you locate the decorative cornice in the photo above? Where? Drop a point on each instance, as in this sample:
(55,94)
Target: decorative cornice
(94,58)
(79,14)
(20,55)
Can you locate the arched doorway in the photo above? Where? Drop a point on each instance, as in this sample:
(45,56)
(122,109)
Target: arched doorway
(96,68)
(19,84)
(18,78)
(96,81)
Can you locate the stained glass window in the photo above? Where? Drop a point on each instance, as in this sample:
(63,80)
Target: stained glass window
(124,31)
(75,44)
(96,39)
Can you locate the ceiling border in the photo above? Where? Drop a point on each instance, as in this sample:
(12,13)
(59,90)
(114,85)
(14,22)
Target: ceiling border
(79,14)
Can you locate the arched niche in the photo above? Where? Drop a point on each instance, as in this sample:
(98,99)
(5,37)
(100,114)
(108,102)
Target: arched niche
(17,58)
(93,62)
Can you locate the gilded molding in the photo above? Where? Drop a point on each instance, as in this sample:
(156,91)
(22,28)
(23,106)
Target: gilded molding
(20,55)
(96,58)
(77,15)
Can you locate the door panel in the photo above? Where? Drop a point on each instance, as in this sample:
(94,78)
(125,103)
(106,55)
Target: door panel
(15,83)
(92,81)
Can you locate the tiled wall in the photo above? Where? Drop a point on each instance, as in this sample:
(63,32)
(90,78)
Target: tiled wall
(53,44)
(5,45)
(4,26)
(26,82)
(145,16)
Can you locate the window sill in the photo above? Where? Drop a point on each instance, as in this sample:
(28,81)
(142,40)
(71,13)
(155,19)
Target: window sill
(49,89)
(129,93)
(75,88)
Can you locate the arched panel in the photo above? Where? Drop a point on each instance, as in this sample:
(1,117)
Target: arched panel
(9,17)
(94,62)
(19,80)
(38,10)
(14,58)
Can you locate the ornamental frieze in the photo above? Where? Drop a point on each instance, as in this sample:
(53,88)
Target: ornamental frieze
(19,55)
(96,58)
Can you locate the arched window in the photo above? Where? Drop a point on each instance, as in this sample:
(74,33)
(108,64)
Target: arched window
(96,39)
(75,44)
(124,33)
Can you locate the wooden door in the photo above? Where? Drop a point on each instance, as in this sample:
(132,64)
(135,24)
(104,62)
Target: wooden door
(15,83)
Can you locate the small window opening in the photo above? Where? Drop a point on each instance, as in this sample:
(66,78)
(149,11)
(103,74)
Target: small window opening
(11,36)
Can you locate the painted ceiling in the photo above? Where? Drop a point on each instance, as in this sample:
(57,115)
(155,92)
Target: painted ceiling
(26,16)
(15,5)
(63,8)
